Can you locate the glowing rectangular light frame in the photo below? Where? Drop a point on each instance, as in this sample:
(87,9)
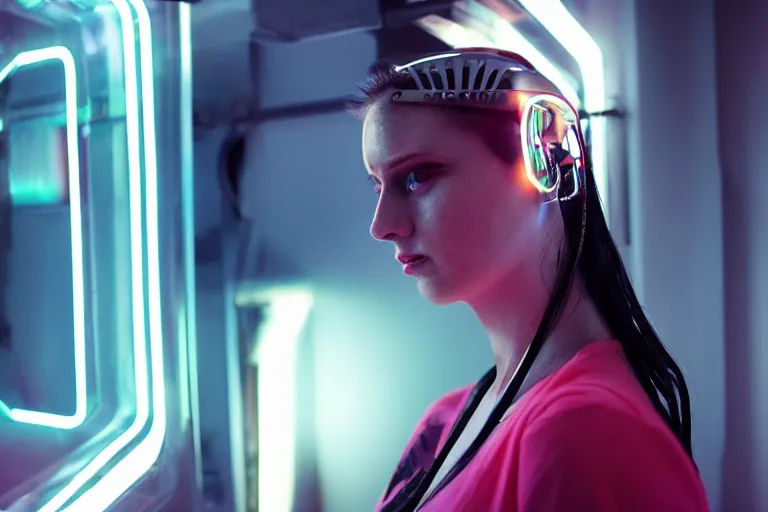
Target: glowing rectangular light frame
(61,421)
(559,22)
(287,309)
(128,470)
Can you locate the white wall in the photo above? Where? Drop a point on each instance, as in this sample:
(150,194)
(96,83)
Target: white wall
(675,202)
(742,52)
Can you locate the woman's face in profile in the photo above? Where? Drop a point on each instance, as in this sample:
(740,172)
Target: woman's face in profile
(444,195)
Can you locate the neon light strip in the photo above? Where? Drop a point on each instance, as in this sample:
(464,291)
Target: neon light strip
(188,227)
(452,33)
(133,466)
(76,236)
(508,38)
(554,16)
(141,373)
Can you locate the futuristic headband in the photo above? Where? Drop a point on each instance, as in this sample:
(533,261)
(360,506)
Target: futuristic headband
(551,138)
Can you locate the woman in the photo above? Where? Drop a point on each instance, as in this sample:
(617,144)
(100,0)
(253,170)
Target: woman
(486,193)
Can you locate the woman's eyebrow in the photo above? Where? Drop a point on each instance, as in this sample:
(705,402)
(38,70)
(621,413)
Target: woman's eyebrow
(395,162)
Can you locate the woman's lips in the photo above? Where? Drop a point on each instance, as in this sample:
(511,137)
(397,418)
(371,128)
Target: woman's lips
(412,263)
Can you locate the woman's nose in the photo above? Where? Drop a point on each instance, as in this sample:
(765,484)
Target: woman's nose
(392,220)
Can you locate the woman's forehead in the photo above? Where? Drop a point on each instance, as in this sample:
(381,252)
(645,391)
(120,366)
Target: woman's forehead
(391,130)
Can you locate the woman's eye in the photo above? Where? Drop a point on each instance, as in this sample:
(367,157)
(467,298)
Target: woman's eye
(415,179)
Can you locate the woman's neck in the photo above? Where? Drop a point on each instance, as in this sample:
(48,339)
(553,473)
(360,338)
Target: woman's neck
(511,322)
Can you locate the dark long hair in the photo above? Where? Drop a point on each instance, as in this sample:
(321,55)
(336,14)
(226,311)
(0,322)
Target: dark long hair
(595,258)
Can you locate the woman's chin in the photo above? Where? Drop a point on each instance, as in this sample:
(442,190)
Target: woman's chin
(437,295)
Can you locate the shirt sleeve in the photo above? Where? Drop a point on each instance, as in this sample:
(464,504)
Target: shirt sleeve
(601,459)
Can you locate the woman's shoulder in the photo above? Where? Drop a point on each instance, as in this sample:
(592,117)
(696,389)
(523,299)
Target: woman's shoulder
(598,377)
(605,450)
(595,392)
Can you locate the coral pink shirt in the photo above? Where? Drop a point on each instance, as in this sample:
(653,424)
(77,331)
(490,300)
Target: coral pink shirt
(586,438)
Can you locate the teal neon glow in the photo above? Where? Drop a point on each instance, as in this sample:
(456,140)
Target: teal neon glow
(188,227)
(559,22)
(133,466)
(30,4)
(76,235)
(103,492)
(28,194)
